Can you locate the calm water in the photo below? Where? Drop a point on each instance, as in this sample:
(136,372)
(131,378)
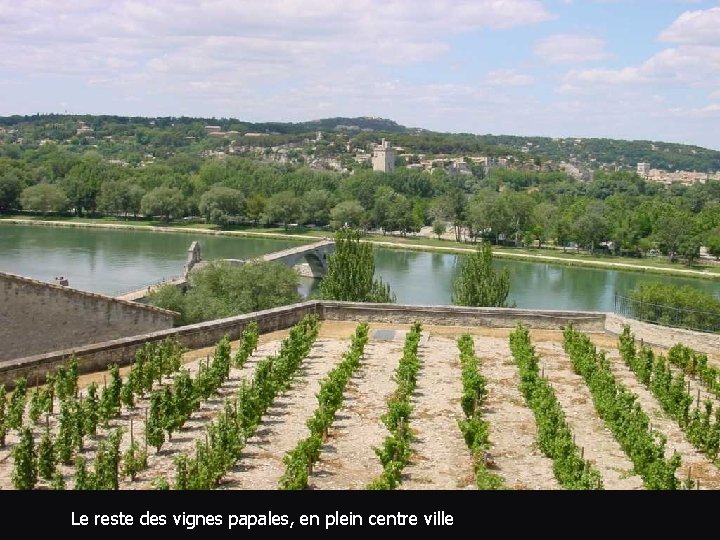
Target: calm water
(426,278)
(112,262)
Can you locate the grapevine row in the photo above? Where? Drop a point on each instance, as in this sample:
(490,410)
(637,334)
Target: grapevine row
(225,437)
(473,427)
(172,406)
(152,362)
(695,364)
(300,460)
(78,417)
(619,409)
(554,436)
(672,393)
(395,451)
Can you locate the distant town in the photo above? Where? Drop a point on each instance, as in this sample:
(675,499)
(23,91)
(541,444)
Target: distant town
(347,147)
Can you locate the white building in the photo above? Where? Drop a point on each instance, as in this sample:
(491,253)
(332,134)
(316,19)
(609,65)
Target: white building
(643,169)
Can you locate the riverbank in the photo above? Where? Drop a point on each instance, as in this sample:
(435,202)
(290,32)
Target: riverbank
(416,244)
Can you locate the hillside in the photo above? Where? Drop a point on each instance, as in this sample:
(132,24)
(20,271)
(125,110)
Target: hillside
(142,133)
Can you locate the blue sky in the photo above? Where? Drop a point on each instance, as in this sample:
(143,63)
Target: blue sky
(633,69)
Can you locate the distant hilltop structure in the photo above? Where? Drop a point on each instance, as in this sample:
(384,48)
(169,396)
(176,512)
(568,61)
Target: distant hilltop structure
(383,159)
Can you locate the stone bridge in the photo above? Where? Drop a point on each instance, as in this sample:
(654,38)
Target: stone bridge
(314,254)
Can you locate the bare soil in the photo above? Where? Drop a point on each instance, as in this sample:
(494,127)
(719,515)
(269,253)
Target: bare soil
(440,459)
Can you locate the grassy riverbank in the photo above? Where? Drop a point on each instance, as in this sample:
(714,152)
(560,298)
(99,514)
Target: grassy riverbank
(646,265)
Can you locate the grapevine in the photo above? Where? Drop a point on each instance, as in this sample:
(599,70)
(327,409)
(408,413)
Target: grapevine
(473,427)
(248,344)
(226,435)
(395,452)
(16,407)
(3,415)
(554,435)
(619,409)
(134,459)
(695,364)
(47,460)
(25,473)
(672,392)
(299,461)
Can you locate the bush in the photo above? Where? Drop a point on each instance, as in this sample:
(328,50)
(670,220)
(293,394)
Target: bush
(219,290)
(670,305)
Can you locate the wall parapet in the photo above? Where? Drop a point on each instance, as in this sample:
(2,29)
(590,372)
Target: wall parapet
(98,356)
(87,294)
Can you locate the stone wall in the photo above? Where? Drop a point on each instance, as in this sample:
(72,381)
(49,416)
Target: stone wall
(663,336)
(587,321)
(38,317)
(121,351)
(97,356)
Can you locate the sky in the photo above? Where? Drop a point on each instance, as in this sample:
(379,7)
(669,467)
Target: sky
(629,69)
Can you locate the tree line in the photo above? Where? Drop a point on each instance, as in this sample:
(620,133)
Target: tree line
(617,212)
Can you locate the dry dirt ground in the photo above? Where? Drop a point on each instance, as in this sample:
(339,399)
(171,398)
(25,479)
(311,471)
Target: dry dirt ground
(440,459)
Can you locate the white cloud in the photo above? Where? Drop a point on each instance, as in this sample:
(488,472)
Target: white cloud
(508,77)
(570,49)
(700,27)
(711,110)
(249,42)
(694,61)
(687,65)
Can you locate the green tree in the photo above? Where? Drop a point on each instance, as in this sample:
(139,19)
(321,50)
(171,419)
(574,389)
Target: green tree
(347,214)
(163,201)
(10,189)
(82,182)
(689,248)
(172,298)
(477,284)
(439,228)
(221,290)
(120,198)
(351,271)
(670,229)
(255,207)
(44,198)
(544,219)
(283,207)
(316,206)
(592,226)
(220,205)
(712,242)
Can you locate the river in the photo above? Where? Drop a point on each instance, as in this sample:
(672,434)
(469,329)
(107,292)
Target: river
(117,261)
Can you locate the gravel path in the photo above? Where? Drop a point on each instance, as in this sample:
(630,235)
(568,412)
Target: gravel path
(512,424)
(348,460)
(441,459)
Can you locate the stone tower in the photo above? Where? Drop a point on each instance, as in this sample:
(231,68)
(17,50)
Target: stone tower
(383,159)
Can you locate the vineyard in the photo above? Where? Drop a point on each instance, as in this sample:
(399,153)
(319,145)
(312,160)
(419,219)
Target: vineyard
(340,405)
